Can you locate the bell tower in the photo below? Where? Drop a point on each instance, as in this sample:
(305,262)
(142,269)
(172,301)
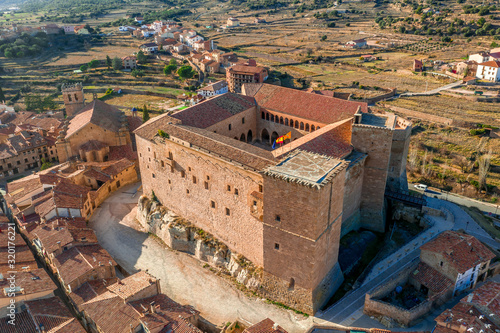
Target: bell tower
(73,97)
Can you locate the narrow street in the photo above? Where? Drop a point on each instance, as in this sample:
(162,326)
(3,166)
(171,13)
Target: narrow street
(182,277)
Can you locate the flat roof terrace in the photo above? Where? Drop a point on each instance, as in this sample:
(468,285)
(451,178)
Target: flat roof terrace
(306,168)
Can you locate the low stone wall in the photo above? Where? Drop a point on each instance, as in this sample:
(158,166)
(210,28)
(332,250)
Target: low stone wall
(390,93)
(420,115)
(402,316)
(432,212)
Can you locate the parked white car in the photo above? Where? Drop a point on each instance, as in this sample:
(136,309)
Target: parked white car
(421,187)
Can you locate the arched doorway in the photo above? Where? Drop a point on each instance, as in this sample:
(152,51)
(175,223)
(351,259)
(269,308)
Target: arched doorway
(243,138)
(249,136)
(264,136)
(274,136)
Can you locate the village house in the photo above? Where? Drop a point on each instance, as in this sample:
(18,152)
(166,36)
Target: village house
(357,44)
(217,88)
(484,56)
(132,304)
(126,28)
(51,29)
(418,65)
(466,68)
(232,22)
(69,29)
(265,326)
(180,48)
(489,71)
(139,19)
(238,75)
(25,151)
(477,312)
(129,62)
(81,30)
(80,264)
(356,153)
(42,315)
(460,257)
(168,43)
(149,48)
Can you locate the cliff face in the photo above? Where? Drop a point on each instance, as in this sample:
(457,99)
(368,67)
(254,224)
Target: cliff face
(181,235)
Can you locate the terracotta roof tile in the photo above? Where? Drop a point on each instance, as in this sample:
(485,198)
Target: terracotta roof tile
(24,324)
(93,145)
(96,174)
(98,113)
(91,289)
(119,152)
(132,285)
(432,279)
(462,251)
(53,315)
(214,110)
(322,109)
(265,326)
(249,70)
(491,63)
(81,259)
(32,282)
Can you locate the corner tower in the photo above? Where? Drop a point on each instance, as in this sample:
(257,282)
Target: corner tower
(73,97)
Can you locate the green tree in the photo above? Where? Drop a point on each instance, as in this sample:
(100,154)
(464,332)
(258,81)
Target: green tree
(109,63)
(2,96)
(84,68)
(94,63)
(145,113)
(172,62)
(323,38)
(48,103)
(45,164)
(169,69)
(137,72)
(141,57)
(33,102)
(117,63)
(185,72)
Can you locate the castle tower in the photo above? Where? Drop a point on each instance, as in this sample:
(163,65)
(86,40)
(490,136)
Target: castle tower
(73,97)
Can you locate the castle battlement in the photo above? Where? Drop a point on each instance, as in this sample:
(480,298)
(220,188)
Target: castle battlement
(66,87)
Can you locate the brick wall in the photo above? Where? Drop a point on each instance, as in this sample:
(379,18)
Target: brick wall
(189,165)
(434,260)
(377,143)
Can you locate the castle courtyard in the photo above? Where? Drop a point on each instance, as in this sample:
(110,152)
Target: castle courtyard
(182,277)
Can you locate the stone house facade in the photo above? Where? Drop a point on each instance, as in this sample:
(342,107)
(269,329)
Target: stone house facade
(212,174)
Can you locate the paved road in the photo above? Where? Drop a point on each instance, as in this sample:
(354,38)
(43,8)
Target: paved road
(343,309)
(434,91)
(182,277)
(458,199)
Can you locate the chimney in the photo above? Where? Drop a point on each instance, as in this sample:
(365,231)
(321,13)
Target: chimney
(357,116)
(470,297)
(275,326)
(152,307)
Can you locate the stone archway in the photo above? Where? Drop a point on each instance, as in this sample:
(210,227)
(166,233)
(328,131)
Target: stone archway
(274,136)
(249,136)
(243,138)
(264,136)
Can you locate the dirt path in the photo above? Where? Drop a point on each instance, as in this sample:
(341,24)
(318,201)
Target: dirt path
(182,277)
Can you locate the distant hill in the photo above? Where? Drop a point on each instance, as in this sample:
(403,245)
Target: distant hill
(5,4)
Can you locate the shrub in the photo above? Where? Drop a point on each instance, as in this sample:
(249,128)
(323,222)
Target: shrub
(163,134)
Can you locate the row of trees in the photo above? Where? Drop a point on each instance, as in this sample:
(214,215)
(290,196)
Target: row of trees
(38,103)
(184,72)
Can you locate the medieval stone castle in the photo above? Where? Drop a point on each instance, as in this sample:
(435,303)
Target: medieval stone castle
(283,209)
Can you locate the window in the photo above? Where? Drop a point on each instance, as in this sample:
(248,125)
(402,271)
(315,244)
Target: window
(206,185)
(229,126)
(441,264)
(194,180)
(255,203)
(276,246)
(243,120)
(187,191)
(149,149)
(154,154)
(183,174)
(212,204)
(260,188)
(170,156)
(25,160)
(18,162)
(228,212)
(236,191)
(229,188)
(189,168)
(208,177)
(153,175)
(169,181)
(278,218)
(172,168)
(162,164)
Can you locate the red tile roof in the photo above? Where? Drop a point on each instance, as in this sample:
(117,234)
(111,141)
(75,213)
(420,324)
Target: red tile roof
(214,110)
(119,152)
(32,282)
(322,109)
(24,324)
(432,279)
(491,63)
(93,145)
(265,326)
(91,289)
(81,259)
(248,70)
(53,315)
(132,285)
(98,113)
(462,251)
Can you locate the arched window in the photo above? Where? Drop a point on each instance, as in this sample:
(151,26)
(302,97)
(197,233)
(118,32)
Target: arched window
(317,128)
(291,122)
(264,136)
(313,128)
(296,124)
(274,136)
(263,115)
(272,118)
(291,285)
(243,138)
(281,121)
(249,136)
(301,125)
(267,116)
(307,127)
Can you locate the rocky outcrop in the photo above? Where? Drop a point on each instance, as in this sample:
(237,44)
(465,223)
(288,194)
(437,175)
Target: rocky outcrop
(179,234)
